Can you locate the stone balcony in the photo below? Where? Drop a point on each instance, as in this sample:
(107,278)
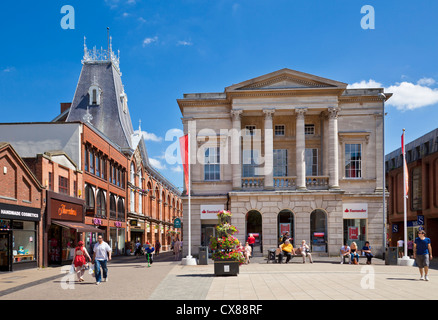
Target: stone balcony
(285,183)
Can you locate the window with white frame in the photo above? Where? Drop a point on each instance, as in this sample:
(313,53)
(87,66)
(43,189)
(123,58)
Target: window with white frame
(250,163)
(309,129)
(279,130)
(280,162)
(353,160)
(212,164)
(311,157)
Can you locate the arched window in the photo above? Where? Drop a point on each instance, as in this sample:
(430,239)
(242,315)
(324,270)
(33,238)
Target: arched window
(101,205)
(113,211)
(285,221)
(121,209)
(89,199)
(95,94)
(140,194)
(318,230)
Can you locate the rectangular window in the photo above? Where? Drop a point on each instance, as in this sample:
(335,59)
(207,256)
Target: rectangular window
(311,156)
(309,129)
(50,181)
(91,162)
(250,130)
(103,168)
(63,185)
(353,160)
(97,165)
(86,159)
(212,164)
(279,130)
(280,162)
(250,163)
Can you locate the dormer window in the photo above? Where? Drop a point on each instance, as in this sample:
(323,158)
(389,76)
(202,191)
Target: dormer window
(124,102)
(95,94)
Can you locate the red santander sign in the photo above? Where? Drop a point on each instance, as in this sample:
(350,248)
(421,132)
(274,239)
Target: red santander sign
(355,210)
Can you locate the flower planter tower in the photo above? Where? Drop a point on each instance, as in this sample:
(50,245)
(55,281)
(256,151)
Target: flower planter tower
(227,258)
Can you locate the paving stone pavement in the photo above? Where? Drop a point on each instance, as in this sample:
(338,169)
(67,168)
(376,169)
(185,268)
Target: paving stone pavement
(167,279)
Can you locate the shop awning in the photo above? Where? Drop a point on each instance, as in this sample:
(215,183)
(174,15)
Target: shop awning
(78,226)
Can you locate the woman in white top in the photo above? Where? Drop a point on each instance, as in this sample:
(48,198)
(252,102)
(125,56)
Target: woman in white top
(247,252)
(305,251)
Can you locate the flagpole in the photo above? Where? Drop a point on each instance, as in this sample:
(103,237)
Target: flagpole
(404,199)
(189,194)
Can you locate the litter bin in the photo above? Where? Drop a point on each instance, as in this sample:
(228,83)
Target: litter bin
(391,256)
(203,255)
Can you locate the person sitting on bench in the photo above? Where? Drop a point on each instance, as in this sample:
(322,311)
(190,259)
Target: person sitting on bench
(286,249)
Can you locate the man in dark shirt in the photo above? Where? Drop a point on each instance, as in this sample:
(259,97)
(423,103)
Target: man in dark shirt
(422,254)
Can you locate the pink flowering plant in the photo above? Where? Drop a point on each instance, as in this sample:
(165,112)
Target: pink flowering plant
(224,245)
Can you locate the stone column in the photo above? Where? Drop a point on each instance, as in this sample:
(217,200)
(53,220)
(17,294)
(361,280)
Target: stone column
(379,152)
(333,148)
(236,163)
(300,149)
(269,150)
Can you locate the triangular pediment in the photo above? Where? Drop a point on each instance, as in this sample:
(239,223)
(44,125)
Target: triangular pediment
(286,79)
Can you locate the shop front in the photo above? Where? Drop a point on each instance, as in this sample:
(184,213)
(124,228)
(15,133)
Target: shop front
(117,237)
(355,223)
(65,228)
(137,232)
(18,237)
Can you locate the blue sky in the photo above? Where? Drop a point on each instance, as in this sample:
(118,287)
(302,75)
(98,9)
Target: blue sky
(169,48)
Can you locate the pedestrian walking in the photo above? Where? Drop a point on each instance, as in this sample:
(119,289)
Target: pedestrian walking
(157,247)
(423,254)
(251,241)
(400,245)
(101,255)
(148,254)
(79,260)
(247,252)
(177,248)
(138,251)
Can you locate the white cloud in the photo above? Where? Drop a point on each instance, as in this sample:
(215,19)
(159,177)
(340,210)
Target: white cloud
(365,84)
(426,82)
(409,96)
(148,41)
(177,169)
(147,136)
(157,164)
(184,43)
(8,69)
(406,95)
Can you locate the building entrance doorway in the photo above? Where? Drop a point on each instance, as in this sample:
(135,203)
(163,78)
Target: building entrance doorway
(5,249)
(254,226)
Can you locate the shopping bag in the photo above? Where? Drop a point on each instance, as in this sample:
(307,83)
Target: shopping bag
(72,269)
(91,270)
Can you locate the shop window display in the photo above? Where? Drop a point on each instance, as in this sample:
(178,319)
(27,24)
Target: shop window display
(23,241)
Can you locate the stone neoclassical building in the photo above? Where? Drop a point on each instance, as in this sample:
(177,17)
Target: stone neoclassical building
(287,151)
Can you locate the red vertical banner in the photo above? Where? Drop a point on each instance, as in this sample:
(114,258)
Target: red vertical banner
(184,150)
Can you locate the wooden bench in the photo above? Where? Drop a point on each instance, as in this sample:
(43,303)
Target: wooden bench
(273,254)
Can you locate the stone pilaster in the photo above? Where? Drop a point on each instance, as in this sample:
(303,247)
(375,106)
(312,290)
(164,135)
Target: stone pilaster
(300,149)
(269,150)
(333,148)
